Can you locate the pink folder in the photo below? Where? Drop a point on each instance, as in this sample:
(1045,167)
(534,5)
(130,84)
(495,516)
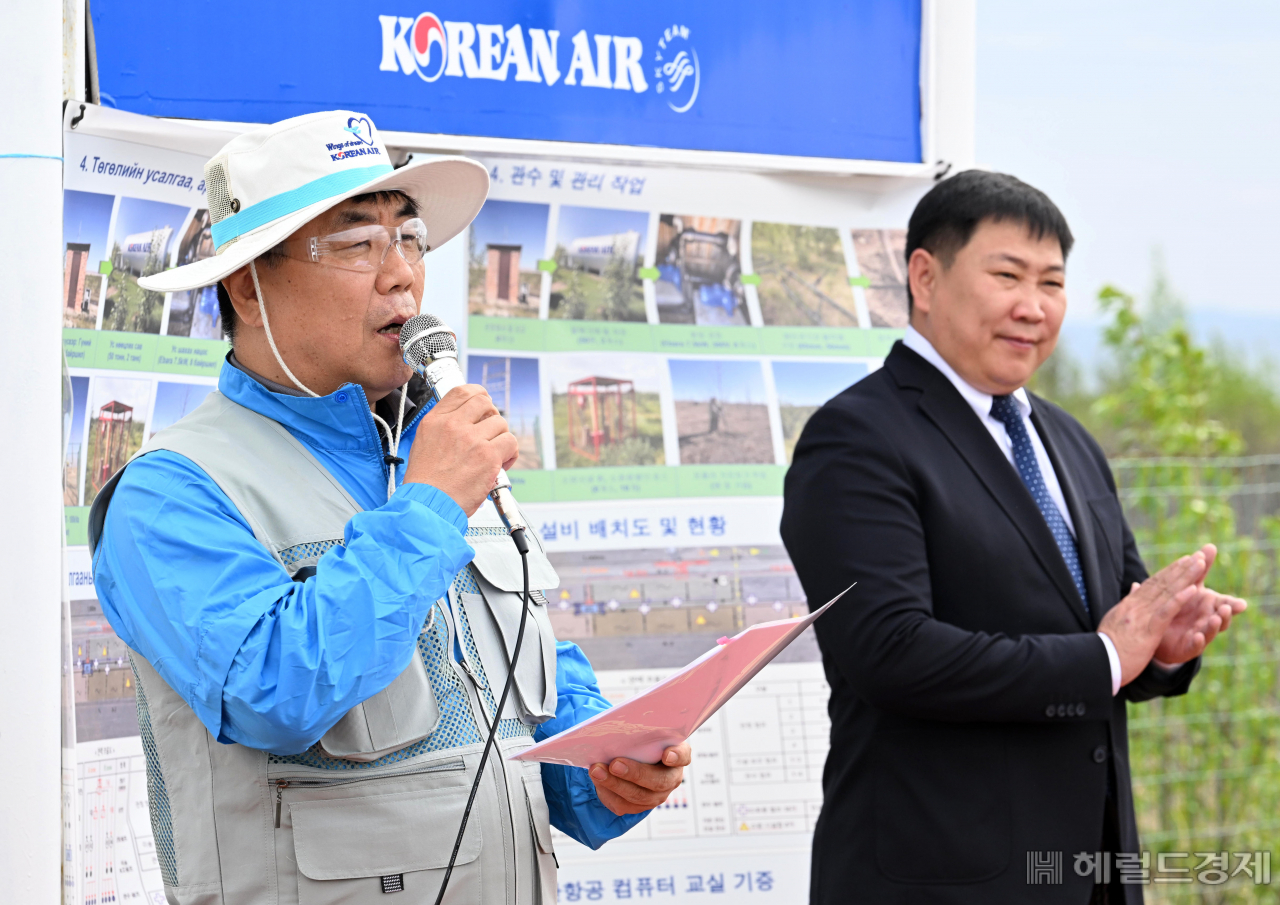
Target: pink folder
(668,713)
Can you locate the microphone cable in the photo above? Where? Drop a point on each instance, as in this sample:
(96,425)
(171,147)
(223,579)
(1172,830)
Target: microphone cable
(522,544)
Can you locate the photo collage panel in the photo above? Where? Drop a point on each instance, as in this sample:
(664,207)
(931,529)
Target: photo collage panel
(569,262)
(110,242)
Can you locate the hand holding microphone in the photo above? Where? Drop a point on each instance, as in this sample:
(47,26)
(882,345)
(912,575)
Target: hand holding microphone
(461,446)
(471,443)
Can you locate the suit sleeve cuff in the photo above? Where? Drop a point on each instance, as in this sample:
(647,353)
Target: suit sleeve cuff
(1114,659)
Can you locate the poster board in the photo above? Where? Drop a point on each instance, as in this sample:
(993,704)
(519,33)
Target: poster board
(656,337)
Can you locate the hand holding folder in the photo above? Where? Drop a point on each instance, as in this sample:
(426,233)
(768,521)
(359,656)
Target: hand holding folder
(671,711)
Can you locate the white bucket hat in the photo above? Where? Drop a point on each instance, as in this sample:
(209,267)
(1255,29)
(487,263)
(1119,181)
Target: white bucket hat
(265,184)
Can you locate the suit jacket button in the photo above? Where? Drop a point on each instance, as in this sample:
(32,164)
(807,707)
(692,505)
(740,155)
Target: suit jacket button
(1071,710)
(1080,709)
(1099,754)
(1049,711)
(1062,710)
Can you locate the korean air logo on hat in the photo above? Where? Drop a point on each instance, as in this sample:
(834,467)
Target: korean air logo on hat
(358,140)
(425,35)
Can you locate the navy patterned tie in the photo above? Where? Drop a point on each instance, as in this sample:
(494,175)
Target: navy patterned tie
(1005,410)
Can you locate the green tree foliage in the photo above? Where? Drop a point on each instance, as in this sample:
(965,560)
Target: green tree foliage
(619,277)
(1159,405)
(1175,416)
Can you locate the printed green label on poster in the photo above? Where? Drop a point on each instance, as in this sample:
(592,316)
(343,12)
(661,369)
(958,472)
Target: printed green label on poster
(76,520)
(143,352)
(874,343)
(528,335)
(678,338)
(646,482)
(505,333)
(597,336)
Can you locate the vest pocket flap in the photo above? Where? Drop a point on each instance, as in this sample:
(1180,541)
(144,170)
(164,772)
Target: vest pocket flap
(494,618)
(382,834)
(498,560)
(402,713)
(540,695)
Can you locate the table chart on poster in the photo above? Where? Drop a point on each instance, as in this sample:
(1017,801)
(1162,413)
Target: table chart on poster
(119,855)
(757,765)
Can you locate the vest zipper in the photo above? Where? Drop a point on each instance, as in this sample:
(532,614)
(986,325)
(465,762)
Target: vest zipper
(311,782)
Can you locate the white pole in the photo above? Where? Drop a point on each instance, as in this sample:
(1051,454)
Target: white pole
(31,73)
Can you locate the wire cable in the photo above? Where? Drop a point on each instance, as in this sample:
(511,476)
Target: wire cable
(522,544)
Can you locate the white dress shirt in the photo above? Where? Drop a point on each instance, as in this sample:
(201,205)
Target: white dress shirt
(980,402)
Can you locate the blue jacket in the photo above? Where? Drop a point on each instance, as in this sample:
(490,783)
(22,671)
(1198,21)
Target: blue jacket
(271,663)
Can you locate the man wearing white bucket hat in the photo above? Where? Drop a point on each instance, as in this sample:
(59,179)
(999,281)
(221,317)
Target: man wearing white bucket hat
(320,604)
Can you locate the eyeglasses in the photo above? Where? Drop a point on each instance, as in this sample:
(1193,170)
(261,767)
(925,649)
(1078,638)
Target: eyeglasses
(364,248)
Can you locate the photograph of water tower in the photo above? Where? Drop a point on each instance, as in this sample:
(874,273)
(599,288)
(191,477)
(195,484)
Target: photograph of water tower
(143,238)
(652,608)
(700,271)
(86,218)
(882,259)
(597,263)
(507,240)
(804,386)
(118,411)
(512,384)
(606,409)
(804,280)
(722,414)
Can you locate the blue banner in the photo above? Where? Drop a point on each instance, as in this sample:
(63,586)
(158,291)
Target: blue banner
(818,79)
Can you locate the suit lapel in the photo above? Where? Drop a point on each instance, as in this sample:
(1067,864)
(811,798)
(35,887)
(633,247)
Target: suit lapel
(945,407)
(1081,515)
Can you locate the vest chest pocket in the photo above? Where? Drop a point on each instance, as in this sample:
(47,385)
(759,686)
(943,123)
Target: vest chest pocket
(352,850)
(494,618)
(402,713)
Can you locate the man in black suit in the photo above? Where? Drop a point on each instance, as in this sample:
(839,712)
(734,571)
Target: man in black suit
(1002,615)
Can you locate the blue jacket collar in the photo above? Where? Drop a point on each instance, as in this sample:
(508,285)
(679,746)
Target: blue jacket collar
(339,421)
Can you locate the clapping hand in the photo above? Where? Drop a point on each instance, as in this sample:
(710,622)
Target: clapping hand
(1202,618)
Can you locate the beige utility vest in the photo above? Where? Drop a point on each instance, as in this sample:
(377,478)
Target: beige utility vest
(374,806)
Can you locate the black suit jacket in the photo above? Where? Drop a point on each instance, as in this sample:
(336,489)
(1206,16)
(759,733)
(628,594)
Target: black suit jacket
(972,719)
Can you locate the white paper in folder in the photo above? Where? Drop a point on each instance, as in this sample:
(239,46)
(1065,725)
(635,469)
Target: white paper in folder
(671,711)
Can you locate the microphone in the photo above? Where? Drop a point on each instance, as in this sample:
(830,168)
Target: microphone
(431,349)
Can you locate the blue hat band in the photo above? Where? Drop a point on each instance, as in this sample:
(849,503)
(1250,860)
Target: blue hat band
(294,200)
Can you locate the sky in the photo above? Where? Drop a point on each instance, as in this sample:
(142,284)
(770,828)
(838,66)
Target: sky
(86,217)
(513,223)
(79,398)
(139,216)
(642,370)
(174,400)
(814,382)
(131,391)
(729,381)
(1152,125)
(582,222)
(525,402)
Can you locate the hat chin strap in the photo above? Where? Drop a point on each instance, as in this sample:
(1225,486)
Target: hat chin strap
(393,439)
